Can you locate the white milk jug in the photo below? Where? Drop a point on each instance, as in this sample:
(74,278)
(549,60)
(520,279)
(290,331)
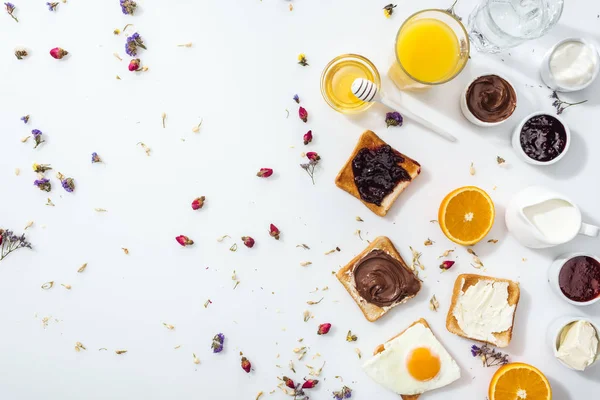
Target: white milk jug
(539,218)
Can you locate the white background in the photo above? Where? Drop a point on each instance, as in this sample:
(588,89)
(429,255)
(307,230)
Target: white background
(240,76)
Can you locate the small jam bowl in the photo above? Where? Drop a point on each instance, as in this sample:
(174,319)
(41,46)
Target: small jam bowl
(516,140)
(546,73)
(553,278)
(554,330)
(469,115)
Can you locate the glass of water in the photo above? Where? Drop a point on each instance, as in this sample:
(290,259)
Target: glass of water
(496,25)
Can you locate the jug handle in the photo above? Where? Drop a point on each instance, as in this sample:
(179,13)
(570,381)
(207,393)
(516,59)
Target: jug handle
(589,230)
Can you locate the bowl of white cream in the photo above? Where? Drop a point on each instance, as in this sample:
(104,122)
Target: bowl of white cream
(570,65)
(575,342)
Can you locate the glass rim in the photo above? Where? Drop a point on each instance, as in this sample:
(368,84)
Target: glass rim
(368,63)
(461,26)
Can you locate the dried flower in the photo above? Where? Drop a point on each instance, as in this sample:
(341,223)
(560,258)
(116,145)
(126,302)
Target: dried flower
(128,6)
(302,61)
(303,114)
(560,104)
(309,383)
(428,242)
(66,286)
(49,202)
(120,351)
(21,54)
(10,242)
(446,265)
(117,31)
(288,382)
(125,250)
(313,156)
(198,203)
(489,356)
(246,365)
(25,118)
(472,169)
(306,315)
(188,45)
(309,167)
(433,303)
(79,346)
(195,359)
(305,263)
(217,343)
(303,246)
(37,137)
(350,337)
(308,137)
(82,268)
(184,240)
(494,241)
(274,231)
(233,247)
(196,129)
(500,160)
(416,260)
(67,183)
(43,184)
(134,65)
(41,168)
(296,98)
(10,9)
(344,393)
(312,303)
(264,172)
(389,10)
(58,53)
(146,148)
(133,42)
(393,119)
(324,329)
(358,353)
(48,285)
(52,6)
(248,241)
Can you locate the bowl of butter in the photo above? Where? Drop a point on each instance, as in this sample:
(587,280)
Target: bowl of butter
(575,342)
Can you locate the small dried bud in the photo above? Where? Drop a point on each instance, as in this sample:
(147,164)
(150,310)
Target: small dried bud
(303,114)
(134,64)
(58,53)
(184,240)
(246,364)
(196,359)
(324,329)
(198,203)
(274,231)
(313,156)
(248,241)
(308,137)
(288,382)
(446,265)
(310,383)
(264,172)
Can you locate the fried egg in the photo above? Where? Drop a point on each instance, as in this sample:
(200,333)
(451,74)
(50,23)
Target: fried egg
(413,363)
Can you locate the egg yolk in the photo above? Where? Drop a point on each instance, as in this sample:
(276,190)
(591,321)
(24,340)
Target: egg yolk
(422,364)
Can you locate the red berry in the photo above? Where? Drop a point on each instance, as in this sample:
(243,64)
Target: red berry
(274,231)
(265,172)
(324,329)
(248,241)
(246,364)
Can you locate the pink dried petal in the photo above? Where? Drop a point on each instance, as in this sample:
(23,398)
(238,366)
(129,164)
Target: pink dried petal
(198,203)
(58,53)
(446,265)
(274,231)
(246,364)
(184,240)
(265,172)
(308,137)
(324,329)
(134,65)
(313,156)
(248,241)
(303,114)
(310,383)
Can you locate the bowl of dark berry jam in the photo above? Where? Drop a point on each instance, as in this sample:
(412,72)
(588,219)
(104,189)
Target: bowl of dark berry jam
(541,139)
(576,278)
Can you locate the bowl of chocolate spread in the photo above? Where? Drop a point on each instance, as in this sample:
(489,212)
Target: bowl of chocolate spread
(489,100)
(541,138)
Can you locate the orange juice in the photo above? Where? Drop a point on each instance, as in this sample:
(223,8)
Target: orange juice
(428,50)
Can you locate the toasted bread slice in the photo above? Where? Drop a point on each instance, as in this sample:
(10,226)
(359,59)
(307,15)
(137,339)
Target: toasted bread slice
(381,347)
(463,282)
(345,178)
(345,275)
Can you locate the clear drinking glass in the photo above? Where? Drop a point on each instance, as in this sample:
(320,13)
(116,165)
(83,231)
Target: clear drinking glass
(496,25)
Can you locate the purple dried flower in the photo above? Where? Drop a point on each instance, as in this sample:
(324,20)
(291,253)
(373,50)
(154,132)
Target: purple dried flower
(96,158)
(10,242)
(393,119)
(43,184)
(133,42)
(37,137)
(25,119)
(296,99)
(343,393)
(10,9)
(128,6)
(489,356)
(474,350)
(68,184)
(52,6)
(217,343)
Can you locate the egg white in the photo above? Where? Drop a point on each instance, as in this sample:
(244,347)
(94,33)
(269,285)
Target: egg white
(389,368)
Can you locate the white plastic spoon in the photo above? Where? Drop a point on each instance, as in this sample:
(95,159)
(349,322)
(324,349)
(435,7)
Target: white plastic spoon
(366,90)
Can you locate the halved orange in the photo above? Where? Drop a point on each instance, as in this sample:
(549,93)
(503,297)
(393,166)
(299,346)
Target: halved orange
(519,381)
(466,215)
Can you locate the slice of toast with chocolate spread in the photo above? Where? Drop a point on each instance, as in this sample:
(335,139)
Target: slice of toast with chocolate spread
(376,174)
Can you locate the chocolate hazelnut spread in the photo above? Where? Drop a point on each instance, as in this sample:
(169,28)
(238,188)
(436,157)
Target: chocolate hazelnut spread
(382,280)
(579,279)
(491,98)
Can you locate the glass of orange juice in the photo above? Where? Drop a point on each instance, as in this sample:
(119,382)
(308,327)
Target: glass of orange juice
(432,47)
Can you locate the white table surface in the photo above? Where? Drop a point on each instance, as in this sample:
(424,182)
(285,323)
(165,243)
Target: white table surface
(240,76)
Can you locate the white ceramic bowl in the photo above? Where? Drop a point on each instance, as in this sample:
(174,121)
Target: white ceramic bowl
(546,74)
(556,327)
(554,272)
(516,140)
(469,115)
